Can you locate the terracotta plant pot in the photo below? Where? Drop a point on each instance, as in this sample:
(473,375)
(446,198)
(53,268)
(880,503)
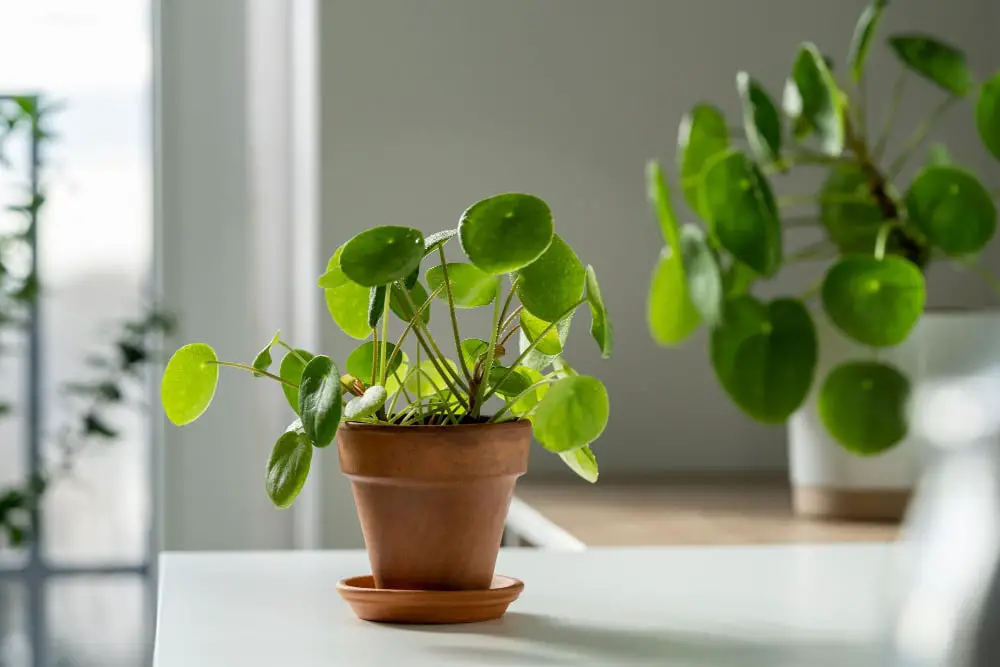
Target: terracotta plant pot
(433,499)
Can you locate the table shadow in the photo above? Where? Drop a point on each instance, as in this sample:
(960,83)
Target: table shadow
(565,642)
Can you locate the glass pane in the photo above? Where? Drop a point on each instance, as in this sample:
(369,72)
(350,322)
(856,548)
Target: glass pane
(15,644)
(97,622)
(95,235)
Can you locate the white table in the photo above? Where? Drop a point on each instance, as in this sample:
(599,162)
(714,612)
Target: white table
(801,606)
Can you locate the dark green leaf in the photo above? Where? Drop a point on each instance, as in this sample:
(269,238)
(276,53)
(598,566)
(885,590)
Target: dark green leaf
(702,135)
(411,280)
(988,115)
(738,279)
(581,461)
(704,277)
(470,287)
(189,383)
(367,404)
(553,283)
(288,468)
(381,255)
(934,60)
(600,322)
(764,355)
(761,121)
(361,361)
(376,305)
(875,302)
(821,108)
(505,232)
(473,349)
(401,307)
(742,213)
(348,304)
(864,31)
(291,371)
(953,209)
(863,406)
(509,383)
(320,400)
(573,413)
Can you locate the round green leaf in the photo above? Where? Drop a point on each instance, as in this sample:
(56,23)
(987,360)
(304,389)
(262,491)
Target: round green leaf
(537,359)
(529,399)
(533,328)
(288,468)
(573,413)
(291,370)
(320,400)
(863,406)
(702,135)
(348,303)
(864,31)
(581,461)
(189,383)
(470,287)
(505,232)
(764,355)
(367,404)
(670,313)
(850,214)
(473,349)
(741,211)
(953,209)
(401,307)
(761,121)
(875,302)
(600,322)
(381,255)
(704,277)
(934,60)
(988,115)
(553,283)
(819,105)
(360,362)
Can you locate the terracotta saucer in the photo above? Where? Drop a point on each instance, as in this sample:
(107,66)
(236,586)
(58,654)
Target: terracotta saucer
(402,606)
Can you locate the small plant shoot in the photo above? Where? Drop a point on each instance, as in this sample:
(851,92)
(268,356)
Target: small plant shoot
(872,234)
(380,287)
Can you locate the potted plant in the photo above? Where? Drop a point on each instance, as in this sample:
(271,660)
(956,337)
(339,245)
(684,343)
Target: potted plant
(431,454)
(840,371)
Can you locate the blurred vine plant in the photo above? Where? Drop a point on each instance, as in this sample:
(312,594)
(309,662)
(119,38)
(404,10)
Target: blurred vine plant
(375,277)
(877,238)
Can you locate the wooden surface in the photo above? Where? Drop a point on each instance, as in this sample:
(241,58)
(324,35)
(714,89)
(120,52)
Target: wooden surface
(787,606)
(704,511)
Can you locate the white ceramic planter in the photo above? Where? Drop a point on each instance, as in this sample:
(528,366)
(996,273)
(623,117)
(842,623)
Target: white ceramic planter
(830,482)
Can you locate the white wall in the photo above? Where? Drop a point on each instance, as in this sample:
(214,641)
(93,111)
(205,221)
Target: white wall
(428,106)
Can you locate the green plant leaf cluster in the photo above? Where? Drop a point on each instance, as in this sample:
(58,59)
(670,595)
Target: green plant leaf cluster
(517,267)
(879,233)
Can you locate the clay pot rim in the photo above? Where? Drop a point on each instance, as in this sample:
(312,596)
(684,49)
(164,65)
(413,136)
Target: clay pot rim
(395,428)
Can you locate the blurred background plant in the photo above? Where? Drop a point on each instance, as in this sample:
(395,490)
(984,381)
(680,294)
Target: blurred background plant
(117,371)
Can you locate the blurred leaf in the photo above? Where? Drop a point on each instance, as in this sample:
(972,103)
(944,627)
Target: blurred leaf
(864,31)
(704,277)
(953,209)
(702,135)
(934,60)
(94,425)
(863,406)
(761,121)
(938,155)
(819,99)
(988,115)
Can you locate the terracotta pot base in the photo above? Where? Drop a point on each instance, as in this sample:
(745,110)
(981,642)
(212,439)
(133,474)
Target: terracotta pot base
(385,605)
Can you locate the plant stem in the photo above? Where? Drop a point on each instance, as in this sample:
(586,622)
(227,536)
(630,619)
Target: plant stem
(988,278)
(410,324)
(863,108)
(385,335)
(882,240)
(454,318)
(503,341)
(878,185)
(532,344)
(432,348)
(292,351)
(506,304)
(447,377)
(233,364)
(917,138)
(890,117)
(510,318)
(510,403)
(490,353)
(813,291)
